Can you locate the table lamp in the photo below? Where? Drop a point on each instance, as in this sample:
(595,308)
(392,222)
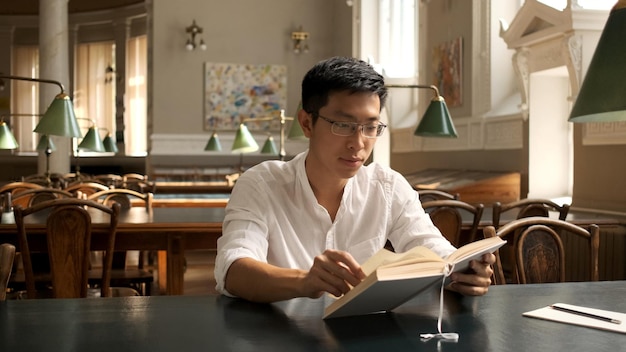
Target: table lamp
(59,118)
(436,121)
(7,140)
(213,145)
(269,147)
(243,143)
(46,145)
(295,131)
(602,95)
(109,144)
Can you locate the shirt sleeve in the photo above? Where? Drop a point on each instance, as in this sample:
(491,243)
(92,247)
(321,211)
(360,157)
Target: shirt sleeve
(244,232)
(411,225)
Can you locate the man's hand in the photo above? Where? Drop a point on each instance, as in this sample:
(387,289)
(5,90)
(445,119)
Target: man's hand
(333,271)
(476,281)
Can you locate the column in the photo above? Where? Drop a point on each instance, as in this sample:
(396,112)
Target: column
(54,64)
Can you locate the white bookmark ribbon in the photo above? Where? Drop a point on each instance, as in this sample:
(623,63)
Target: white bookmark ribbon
(447,336)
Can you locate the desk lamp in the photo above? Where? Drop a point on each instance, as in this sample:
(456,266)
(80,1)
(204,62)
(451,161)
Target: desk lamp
(213,145)
(244,143)
(602,95)
(59,118)
(269,147)
(91,142)
(7,140)
(109,144)
(45,145)
(436,121)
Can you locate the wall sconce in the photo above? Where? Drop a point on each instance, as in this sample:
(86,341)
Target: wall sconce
(109,74)
(300,41)
(436,121)
(194,30)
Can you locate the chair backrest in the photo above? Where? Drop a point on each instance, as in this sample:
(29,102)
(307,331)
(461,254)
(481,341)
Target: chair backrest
(528,207)
(539,252)
(447,215)
(110,180)
(17,187)
(7,256)
(68,237)
(33,196)
(428,195)
(123,197)
(86,188)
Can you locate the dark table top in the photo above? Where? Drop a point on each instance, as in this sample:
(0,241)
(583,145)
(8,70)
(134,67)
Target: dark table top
(217,323)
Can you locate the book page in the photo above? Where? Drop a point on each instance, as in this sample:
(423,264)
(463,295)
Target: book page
(548,313)
(388,258)
(485,245)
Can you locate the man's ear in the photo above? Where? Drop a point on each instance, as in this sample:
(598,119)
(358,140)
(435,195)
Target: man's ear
(306,123)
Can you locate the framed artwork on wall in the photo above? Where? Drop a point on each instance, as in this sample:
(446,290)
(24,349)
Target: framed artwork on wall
(233,92)
(448,71)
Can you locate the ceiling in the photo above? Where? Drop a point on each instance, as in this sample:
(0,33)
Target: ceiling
(31,7)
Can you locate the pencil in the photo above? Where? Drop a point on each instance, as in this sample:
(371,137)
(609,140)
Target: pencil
(588,315)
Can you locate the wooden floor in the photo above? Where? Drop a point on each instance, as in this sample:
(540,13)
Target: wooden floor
(199,278)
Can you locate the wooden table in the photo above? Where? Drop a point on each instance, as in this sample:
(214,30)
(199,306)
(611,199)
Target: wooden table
(199,323)
(172,230)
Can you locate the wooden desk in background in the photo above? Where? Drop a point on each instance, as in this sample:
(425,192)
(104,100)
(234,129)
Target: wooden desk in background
(170,229)
(493,322)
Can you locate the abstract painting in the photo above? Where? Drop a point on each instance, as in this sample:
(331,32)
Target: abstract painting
(447,70)
(234,92)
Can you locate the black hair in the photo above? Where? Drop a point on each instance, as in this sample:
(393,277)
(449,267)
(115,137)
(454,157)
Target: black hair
(339,74)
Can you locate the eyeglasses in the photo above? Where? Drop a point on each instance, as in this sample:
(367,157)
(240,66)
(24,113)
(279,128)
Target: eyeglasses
(345,129)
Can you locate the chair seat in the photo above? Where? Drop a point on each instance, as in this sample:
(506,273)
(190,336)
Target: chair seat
(137,279)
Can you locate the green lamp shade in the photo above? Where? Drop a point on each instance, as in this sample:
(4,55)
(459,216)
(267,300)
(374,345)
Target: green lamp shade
(436,121)
(109,144)
(602,96)
(269,147)
(59,119)
(92,141)
(7,141)
(45,143)
(213,145)
(295,131)
(244,142)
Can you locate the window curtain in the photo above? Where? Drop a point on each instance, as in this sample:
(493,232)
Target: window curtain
(25,97)
(135,114)
(94,97)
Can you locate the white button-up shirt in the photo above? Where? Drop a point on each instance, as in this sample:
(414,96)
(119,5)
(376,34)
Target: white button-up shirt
(273,216)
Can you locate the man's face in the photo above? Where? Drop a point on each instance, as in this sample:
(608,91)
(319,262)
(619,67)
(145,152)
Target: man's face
(331,155)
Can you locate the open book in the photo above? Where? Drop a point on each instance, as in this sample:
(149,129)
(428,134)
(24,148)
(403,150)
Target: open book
(394,278)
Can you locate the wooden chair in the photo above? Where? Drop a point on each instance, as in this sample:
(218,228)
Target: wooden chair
(539,251)
(68,237)
(447,214)
(110,180)
(528,207)
(86,188)
(121,275)
(123,197)
(33,196)
(7,256)
(428,195)
(17,187)
(138,182)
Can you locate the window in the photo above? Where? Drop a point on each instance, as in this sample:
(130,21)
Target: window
(135,115)
(25,97)
(586,4)
(397,38)
(94,96)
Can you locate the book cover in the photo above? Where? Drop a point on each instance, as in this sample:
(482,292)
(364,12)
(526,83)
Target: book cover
(394,278)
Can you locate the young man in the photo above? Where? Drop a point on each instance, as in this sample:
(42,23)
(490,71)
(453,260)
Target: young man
(300,228)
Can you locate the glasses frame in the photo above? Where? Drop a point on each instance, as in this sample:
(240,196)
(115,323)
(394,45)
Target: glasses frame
(380,127)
